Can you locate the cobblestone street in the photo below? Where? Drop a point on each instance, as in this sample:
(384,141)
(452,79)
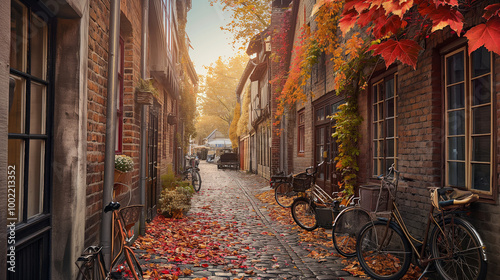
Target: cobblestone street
(270,250)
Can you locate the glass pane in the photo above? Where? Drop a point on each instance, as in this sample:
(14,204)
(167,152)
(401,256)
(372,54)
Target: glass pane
(375,131)
(320,115)
(390,108)
(388,163)
(375,168)
(456,148)
(481,147)
(456,99)
(18,40)
(456,123)
(375,113)
(389,88)
(389,148)
(456,174)
(36,177)
(380,92)
(481,177)
(380,111)
(38,105)
(481,88)
(17,104)
(375,148)
(455,68)
(15,178)
(38,48)
(481,122)
(375,98)
(480,60)
(390,128)
(380,130)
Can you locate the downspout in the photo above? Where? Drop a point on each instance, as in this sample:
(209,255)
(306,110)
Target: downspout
(142,163)
(109,156)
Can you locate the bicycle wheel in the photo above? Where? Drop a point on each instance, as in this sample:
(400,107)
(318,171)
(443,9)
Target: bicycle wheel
(196,180)
(133,264)
(461,242)
(346,227)
(91,265)
(304,213)
(383,251)
(284,194)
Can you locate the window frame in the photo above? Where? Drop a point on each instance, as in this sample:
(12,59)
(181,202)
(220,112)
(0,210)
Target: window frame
(469,134)
(381,122)
(301,133)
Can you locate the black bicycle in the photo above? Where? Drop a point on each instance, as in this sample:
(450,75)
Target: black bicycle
(192,174)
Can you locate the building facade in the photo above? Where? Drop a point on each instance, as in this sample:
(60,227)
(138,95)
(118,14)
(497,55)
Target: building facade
(56,69)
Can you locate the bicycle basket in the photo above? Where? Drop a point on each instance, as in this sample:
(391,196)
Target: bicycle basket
(129,216)
(301,182)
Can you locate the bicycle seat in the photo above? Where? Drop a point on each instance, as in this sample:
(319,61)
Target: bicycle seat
(449,198)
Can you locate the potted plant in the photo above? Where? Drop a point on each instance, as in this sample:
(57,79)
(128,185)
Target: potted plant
(123,167)
(145,92)
(175,197)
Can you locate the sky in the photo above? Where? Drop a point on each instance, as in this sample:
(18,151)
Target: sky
(209,42)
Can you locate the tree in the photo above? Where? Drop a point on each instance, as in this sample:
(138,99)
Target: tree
(233,135)
(217,93)
(249,17)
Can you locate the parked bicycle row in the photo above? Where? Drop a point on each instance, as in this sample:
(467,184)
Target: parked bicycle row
(383,244)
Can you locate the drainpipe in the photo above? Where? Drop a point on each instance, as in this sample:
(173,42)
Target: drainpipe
(109,156)
(142,163)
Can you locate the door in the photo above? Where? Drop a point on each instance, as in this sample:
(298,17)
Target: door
(324,142)
(152,182)
(29,142)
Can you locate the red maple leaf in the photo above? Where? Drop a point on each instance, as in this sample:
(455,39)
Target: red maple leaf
(486,34)
(369,16)
(397,7)
(491,11)
(452,3)
(384,26)
(348,20)
(358,5)
(404,50)
(443,16)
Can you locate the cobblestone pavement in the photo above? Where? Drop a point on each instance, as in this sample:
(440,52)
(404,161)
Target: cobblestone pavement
(272,250)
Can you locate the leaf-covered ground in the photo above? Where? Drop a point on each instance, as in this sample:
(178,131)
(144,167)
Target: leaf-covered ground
(173,248)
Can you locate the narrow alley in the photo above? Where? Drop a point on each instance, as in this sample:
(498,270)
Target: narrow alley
(245,242)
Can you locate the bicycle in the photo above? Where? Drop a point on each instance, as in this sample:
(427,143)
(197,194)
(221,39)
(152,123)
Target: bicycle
(347,225)
(91,263)
(284,191)
(315,202)
(384,246)
(192,174)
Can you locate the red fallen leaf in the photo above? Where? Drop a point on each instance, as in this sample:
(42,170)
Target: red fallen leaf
(487,35)
(491,11)
(404,50)
(204,265)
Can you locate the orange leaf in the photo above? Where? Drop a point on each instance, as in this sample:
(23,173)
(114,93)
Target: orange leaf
(348,20)
(405,51)
(487,35)
(397,7)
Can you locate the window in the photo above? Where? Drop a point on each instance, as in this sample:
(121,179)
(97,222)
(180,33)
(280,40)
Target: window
(29,112)
(468,119)
(384,141)
(301,133)
(119,100)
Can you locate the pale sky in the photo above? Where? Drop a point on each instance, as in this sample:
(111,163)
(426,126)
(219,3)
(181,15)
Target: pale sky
(208,40)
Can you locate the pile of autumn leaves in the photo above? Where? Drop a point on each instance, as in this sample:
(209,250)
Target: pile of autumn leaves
(201,240)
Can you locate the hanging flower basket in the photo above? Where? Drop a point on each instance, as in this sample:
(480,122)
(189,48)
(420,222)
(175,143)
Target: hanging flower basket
(123,177)
(145,92)
(144,97)
(171,119)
